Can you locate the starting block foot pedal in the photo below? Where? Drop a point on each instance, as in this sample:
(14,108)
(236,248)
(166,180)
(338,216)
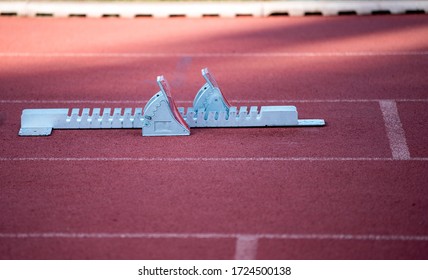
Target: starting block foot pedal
(161,116)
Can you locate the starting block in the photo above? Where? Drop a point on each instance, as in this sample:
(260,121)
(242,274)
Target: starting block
(161,116)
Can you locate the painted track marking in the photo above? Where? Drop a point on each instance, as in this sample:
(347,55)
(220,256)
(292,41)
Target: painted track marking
(206,159)
(82,101)
(246,247)
(394,130)
(103,235)
(214,55)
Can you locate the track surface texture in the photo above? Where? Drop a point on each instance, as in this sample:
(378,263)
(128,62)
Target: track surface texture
(354,189)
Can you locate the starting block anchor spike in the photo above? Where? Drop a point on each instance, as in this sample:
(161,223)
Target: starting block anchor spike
(161,116)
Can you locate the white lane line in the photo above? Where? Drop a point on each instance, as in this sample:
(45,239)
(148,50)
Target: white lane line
(125,235)
(419,158)
(144,101)
(394,130)
(203,159)
(213,55)
(326,100)
(192,159)
(246,247)
(52,101)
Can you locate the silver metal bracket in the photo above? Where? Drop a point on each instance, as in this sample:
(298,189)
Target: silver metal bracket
(161,117)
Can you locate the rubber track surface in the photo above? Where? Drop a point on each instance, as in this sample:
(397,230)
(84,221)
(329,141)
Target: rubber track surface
(354,189)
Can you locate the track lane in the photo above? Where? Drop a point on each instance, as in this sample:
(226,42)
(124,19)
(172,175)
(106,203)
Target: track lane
(193,197)
(240,78)
(298,198)
(350,132)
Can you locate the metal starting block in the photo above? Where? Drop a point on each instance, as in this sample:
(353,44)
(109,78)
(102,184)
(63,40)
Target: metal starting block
(161,117)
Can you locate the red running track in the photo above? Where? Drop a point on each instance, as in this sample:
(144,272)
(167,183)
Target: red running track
(354,189)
